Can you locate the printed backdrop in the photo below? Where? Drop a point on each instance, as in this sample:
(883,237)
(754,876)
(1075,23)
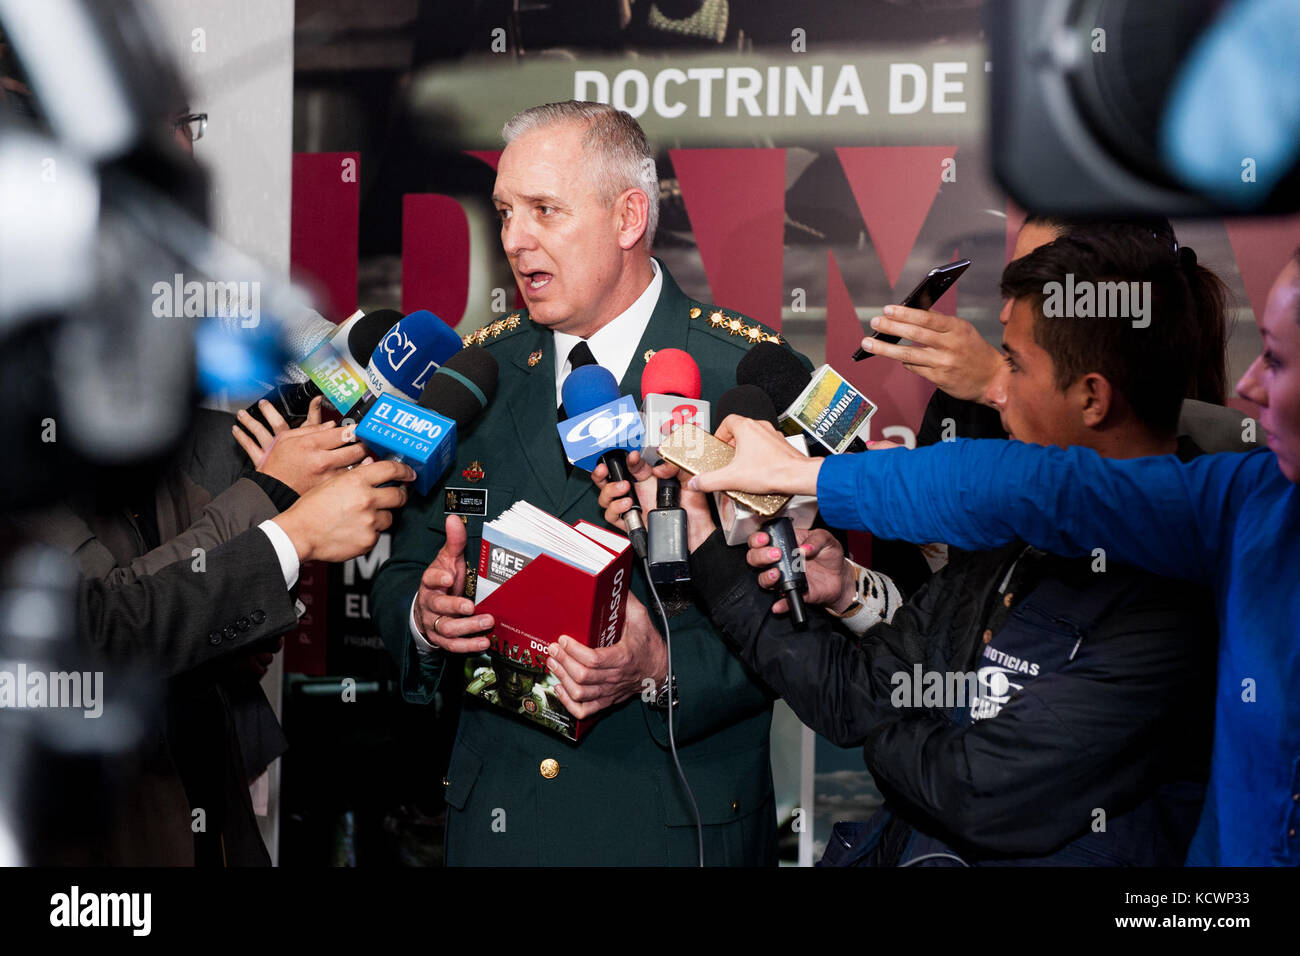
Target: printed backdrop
(812,169)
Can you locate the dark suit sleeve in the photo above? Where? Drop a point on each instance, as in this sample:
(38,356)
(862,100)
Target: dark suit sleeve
(240,507)
(714,688)
(210,456)
(179,618)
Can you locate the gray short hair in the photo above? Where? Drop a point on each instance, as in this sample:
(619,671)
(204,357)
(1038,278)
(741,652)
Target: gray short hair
(617,146)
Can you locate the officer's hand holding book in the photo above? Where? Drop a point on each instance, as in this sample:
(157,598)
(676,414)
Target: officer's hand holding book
(444,616)
(593,678)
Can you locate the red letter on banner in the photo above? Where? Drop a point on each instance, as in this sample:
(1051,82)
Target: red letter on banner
(326,211)
(736,202)
(435,256)
(894,187)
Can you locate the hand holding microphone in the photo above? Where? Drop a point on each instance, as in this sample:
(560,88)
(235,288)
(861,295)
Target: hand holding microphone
(764,463)
(604,427)
(831,581)
(341,518)
(616,496)
(779,528)
(301,457)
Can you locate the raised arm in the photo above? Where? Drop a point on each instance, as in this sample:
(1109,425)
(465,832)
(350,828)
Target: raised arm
(1158,513)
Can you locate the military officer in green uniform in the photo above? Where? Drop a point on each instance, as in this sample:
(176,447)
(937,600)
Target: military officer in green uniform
(577,195)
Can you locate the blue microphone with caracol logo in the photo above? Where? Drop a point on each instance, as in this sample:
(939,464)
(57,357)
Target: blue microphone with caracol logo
(602,428)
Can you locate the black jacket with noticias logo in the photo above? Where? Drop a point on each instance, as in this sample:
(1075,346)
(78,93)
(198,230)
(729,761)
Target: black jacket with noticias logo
(1020,708)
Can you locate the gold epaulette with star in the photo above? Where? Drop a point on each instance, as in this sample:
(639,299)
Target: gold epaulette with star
(736,325)
(494,329)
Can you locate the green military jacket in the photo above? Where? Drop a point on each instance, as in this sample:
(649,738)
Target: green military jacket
(516,794)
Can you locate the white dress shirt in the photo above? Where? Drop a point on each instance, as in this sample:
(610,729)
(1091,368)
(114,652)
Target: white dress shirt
(614,343)
(614,346)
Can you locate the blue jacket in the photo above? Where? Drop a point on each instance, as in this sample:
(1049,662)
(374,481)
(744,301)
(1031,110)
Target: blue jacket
(1229,522)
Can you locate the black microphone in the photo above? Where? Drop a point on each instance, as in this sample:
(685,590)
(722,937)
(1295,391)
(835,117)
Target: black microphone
(357,337)
(779,373)
(463,386)
(751,401)
(666,525)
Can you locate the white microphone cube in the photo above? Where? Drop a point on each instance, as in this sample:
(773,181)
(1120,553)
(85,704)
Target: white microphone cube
(739,522)
(662,413)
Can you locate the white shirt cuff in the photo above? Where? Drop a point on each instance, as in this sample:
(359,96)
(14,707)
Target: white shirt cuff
(284,550)
(422,644)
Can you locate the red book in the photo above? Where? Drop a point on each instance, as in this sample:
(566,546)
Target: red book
(534,597)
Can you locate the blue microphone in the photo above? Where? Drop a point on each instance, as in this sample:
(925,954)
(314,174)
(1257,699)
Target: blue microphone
(405,359)
(424,435)
(603,426)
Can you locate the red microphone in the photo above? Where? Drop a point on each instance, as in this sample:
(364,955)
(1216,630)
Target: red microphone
(670,397)
(671,372)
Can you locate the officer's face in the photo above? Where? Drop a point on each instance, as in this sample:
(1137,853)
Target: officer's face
(1273,380)
(560,235)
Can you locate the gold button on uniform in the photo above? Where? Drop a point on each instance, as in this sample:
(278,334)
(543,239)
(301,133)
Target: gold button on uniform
(550,768)
(1007,600)
(445,783)
(735,806)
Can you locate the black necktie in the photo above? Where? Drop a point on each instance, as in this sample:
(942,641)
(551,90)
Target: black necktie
(579,356)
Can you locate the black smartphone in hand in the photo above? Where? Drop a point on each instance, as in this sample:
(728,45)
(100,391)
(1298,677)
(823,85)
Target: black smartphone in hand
(930,290)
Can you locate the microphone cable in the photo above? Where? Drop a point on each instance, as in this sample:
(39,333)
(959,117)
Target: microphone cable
(672,740)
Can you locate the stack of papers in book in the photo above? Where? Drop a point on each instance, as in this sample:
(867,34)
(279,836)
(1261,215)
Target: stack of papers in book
(523,531)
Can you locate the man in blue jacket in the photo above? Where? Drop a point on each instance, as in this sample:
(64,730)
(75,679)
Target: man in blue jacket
(1229,523)
(1023,708)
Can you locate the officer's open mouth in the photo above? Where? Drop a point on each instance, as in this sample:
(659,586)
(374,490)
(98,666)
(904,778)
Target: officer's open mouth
(537,279)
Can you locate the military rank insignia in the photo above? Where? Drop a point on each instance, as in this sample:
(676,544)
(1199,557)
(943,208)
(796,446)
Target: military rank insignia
(474,472)
(735,325)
